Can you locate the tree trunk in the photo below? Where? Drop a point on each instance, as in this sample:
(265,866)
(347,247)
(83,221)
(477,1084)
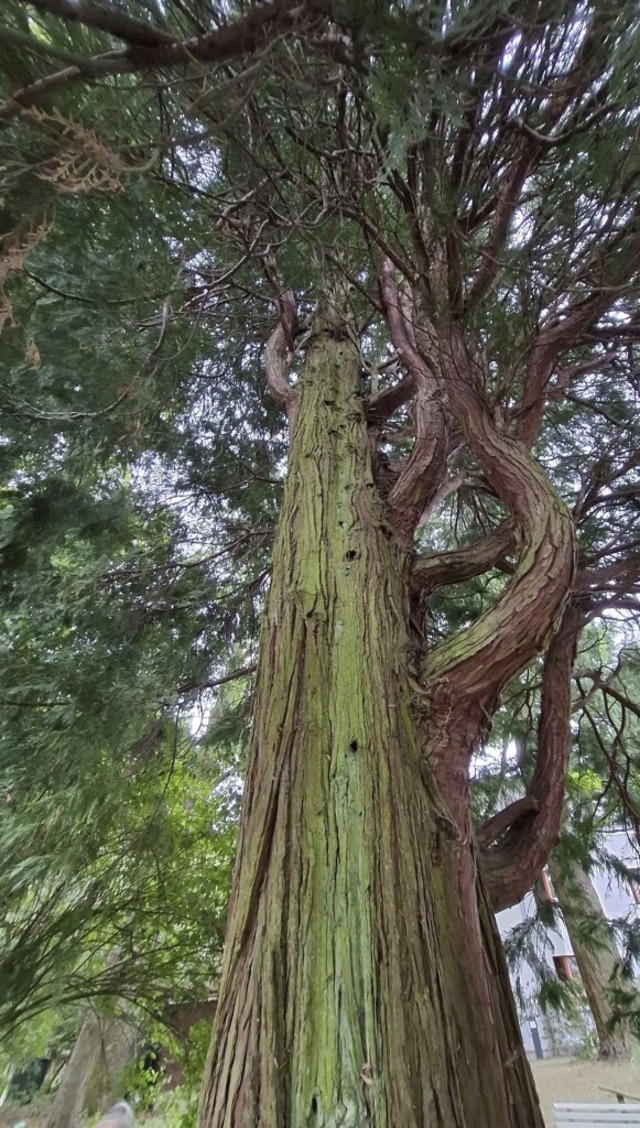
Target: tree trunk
(343,1000)
(103,1049)
(597,957)
(496,1067)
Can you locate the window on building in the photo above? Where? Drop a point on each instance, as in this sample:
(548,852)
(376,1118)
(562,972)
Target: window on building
(564,967)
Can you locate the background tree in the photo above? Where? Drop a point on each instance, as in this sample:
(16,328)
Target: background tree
(600,806)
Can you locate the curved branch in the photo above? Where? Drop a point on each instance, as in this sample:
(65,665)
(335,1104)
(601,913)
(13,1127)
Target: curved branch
(420,478)
(475,664)
(613,266)
(610,690)
(278,352)
(112,20)
(512,866)
(385,403)
(499,823)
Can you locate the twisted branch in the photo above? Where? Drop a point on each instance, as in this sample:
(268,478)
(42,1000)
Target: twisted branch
(421,476)
(529,827)
(278,352)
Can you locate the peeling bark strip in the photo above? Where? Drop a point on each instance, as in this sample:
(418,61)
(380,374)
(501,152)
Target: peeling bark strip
(332,1007)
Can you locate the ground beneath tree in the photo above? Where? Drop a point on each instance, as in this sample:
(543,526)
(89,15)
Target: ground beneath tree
(560,1079)
(557,1079)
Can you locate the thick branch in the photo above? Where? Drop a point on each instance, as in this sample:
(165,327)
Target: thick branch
(477,663)
(498,824)
(385,403)
(245,36)
(279,352)
(441,568)
(421,476)
(512,866)
(112,20)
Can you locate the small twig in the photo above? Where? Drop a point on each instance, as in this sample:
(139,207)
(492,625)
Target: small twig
(213,683)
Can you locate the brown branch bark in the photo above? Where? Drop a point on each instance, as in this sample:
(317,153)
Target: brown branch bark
(385,403)
(279,352)
(494,827)
(478,662)
(504,212)
(420,478)
(213,683)
(463,676)
(514,863)
(611,690)
(611,269)
(433,570)
(112,20)
(245,36)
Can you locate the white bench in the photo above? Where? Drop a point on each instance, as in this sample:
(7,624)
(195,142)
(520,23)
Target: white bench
(597,1115)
